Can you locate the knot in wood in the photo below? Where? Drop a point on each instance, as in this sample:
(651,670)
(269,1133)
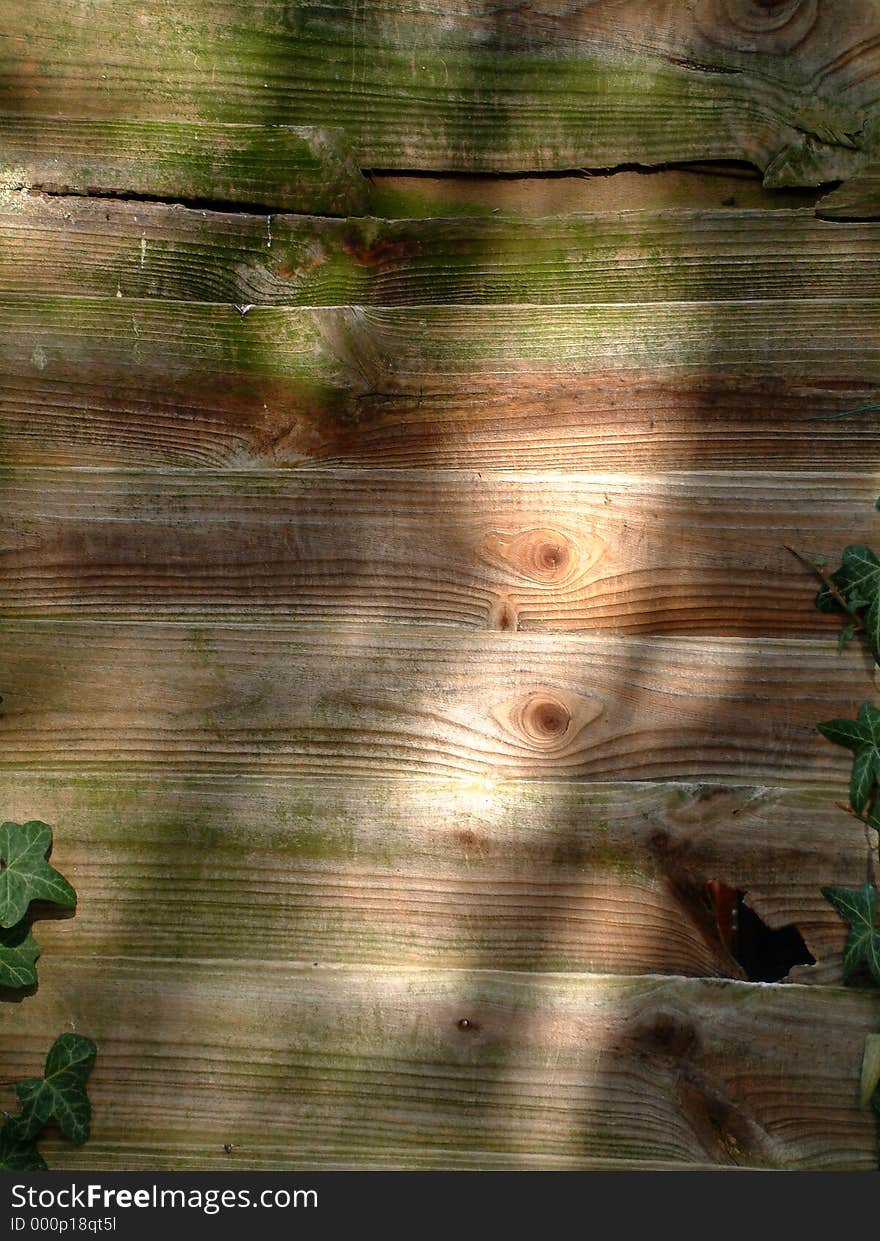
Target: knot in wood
(548,720)
(544,719)
(775,26)
(541,555)
(668,1035)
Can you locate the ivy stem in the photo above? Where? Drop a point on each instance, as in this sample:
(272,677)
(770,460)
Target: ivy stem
(848,413)
(825,579)
(869,827)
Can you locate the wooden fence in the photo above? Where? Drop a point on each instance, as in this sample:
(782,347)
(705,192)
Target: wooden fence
(398,631)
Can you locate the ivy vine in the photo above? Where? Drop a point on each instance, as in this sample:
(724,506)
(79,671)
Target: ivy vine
(853,590)
(25,878)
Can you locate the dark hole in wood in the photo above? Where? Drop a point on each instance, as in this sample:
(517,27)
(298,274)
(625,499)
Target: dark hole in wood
(765,954)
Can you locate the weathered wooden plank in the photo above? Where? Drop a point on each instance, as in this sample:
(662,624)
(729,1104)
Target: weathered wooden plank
(100,248)
(675,553)
(685,186)
(396,701)
(471,87)
(507,875)
(296,1067)
(856,199)
(660,385)
(295,168)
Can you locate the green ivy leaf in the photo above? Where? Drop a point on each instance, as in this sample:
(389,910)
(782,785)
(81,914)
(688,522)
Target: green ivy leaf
(866,765)
(25,875)
(843,732)
(862,736)
(858,908)
(857,582)
(61,1092)
(17,1154)
(869,721)
(862,571)
(18,953)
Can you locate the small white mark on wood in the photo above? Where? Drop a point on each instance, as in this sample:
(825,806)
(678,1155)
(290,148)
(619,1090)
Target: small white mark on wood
(269,232)
(38,357)
(143,250)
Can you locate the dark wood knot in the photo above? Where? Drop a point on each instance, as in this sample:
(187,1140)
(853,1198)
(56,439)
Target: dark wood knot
(774,26)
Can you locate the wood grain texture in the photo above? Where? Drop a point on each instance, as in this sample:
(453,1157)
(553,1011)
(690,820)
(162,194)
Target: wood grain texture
(503,875)
(688,187)
(684,553)
(670,385)
(99,248)
(472,87)
(396,701)
(302,1067)
(295,168)
(856,199)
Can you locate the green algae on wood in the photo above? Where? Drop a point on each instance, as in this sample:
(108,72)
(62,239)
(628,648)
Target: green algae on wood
(125,381)
(147,250)
(531,875)
(293,168)
(431,1068)
(471,89)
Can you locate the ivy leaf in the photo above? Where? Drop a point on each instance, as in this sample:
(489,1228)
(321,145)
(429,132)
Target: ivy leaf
(61,1092)
(865,768)
(858,908)
(25,875)
(861,569)
(17,1154)
(18,953)
(857,580)
(843,732)
(862,736)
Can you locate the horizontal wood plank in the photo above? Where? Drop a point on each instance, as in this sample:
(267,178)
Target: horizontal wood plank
(508,875)
(469,87)
(294,168)
(297,1067)
(104,248)
(687,187)
(856,199)
(675,553)
(665,385)
(396,701)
